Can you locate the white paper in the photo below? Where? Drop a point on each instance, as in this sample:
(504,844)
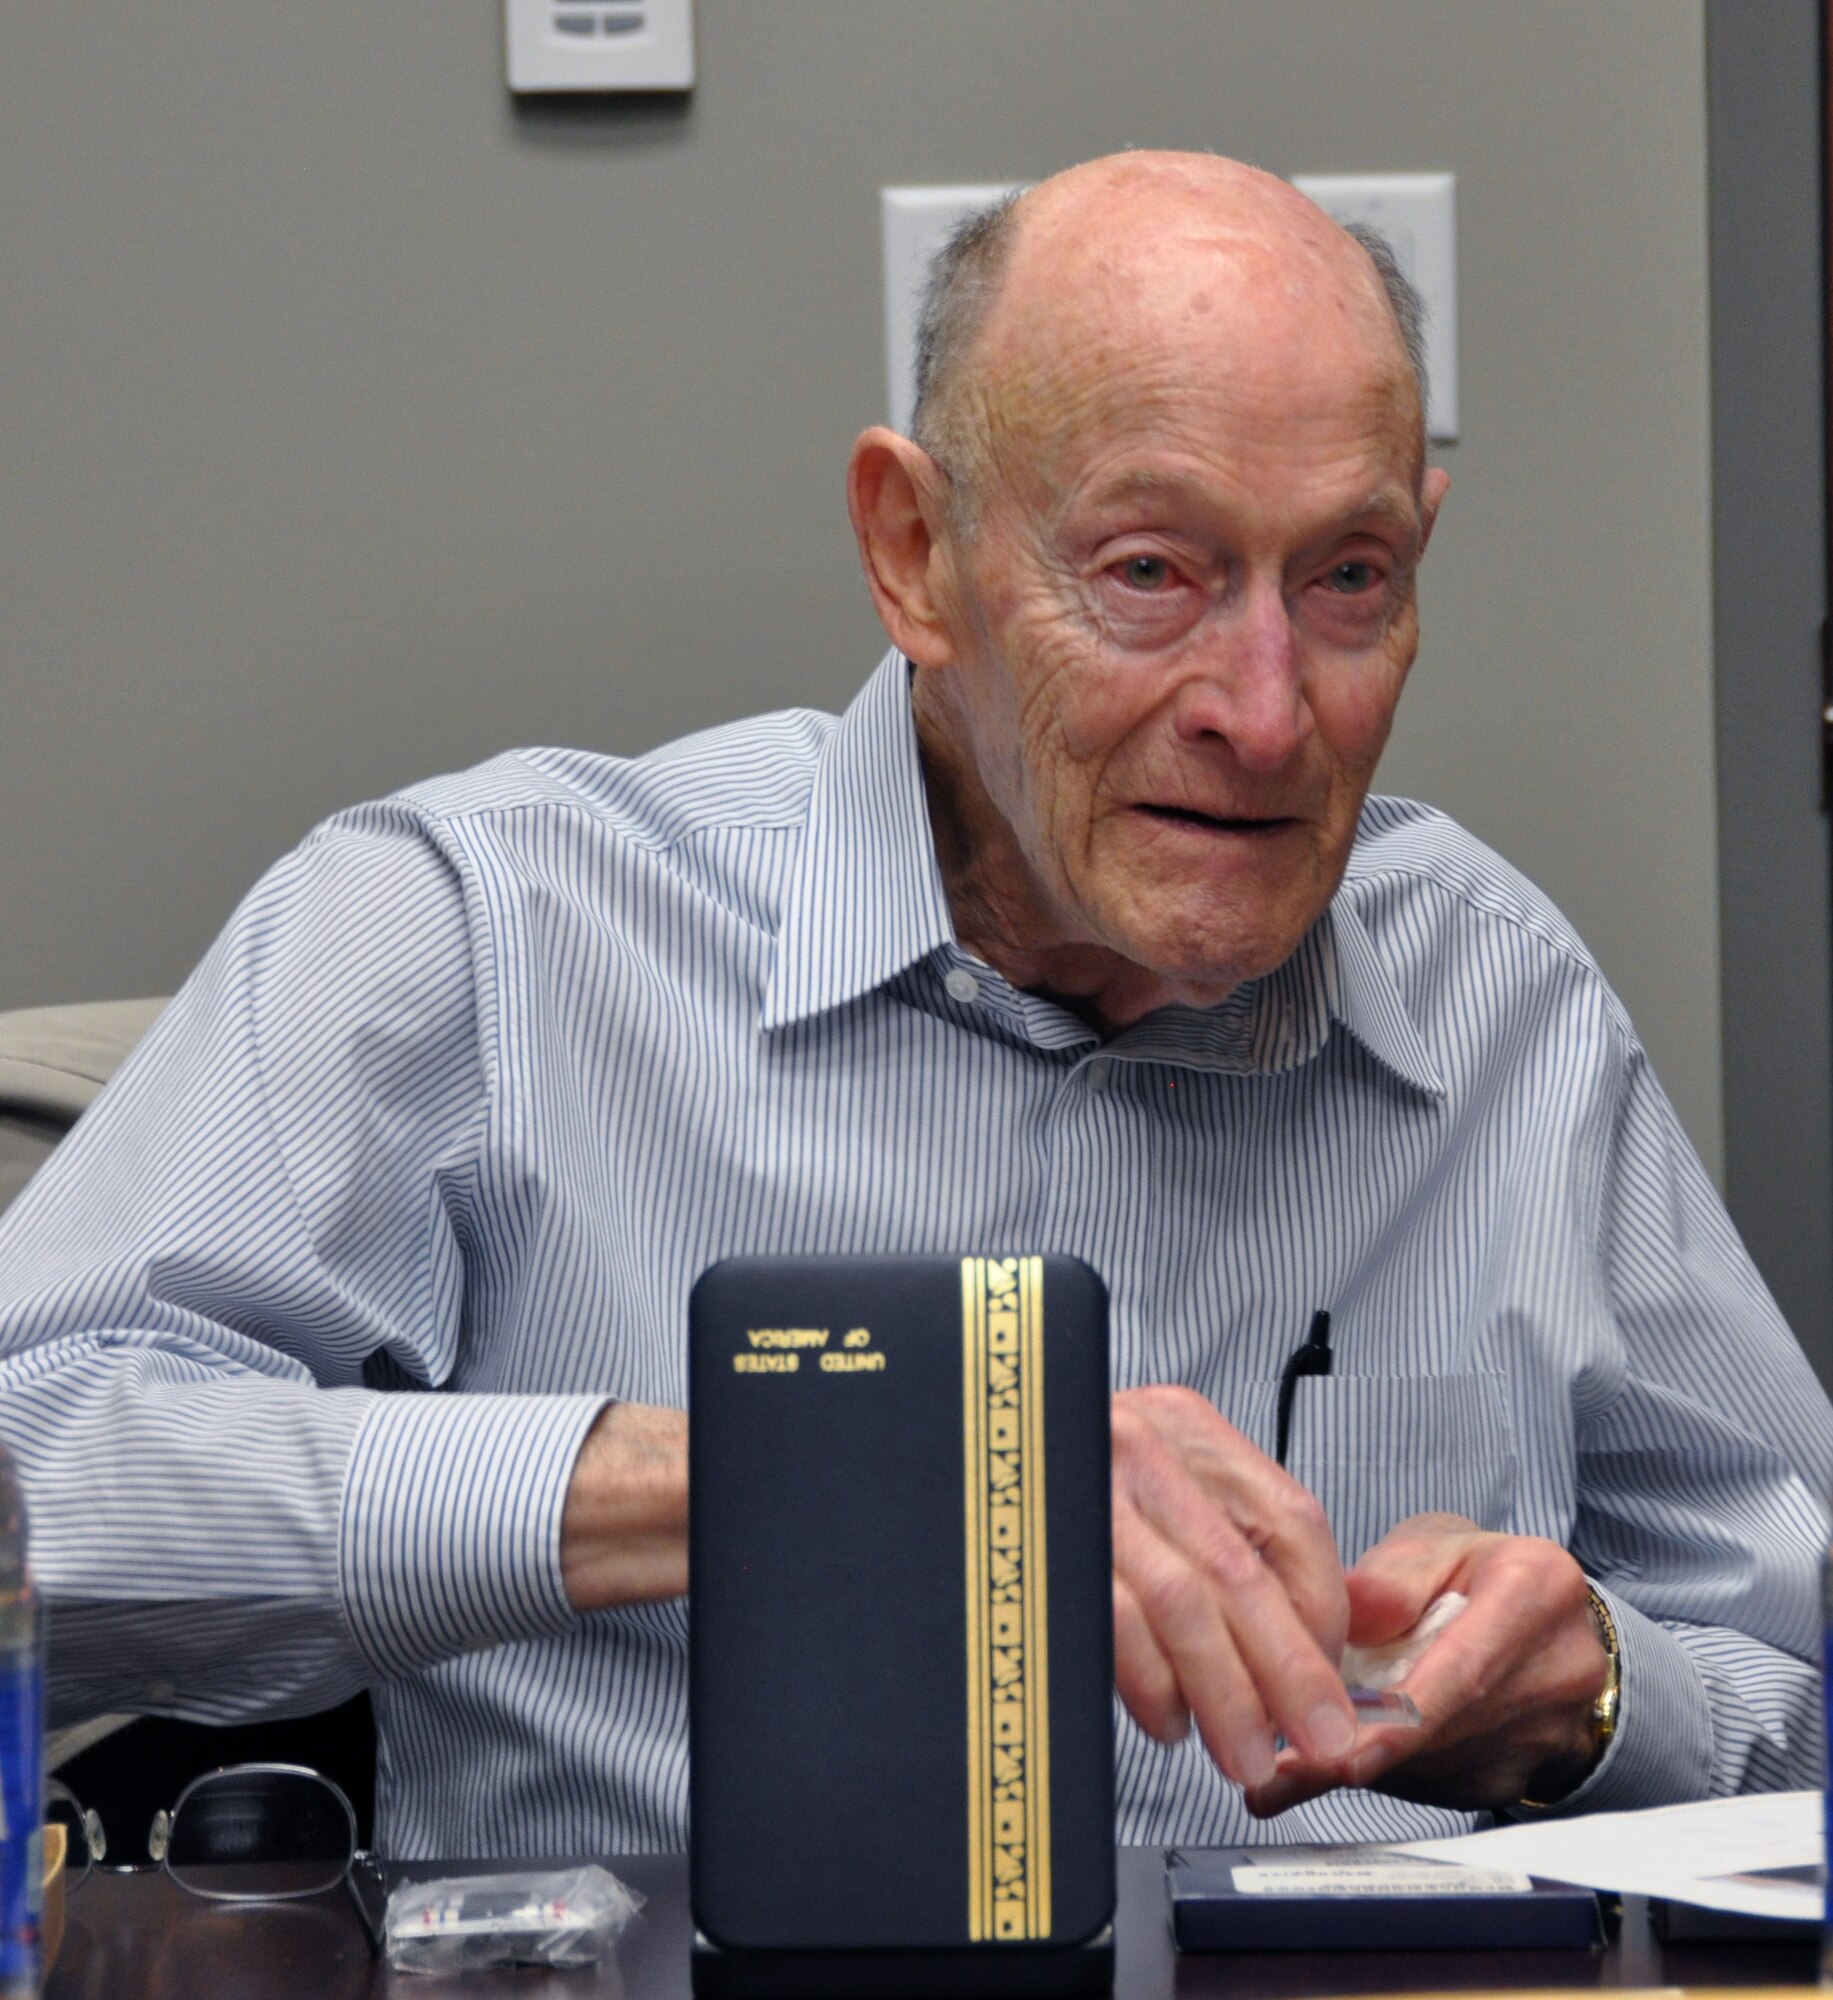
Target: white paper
(1702,1854)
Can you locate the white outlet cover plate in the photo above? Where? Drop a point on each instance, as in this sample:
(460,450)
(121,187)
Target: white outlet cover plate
(916,222)
(600,44)
(1417,213)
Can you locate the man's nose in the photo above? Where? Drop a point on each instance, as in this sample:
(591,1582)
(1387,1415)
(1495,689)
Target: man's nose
(1247,686)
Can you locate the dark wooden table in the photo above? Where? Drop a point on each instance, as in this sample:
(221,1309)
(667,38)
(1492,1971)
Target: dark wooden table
(137,1937)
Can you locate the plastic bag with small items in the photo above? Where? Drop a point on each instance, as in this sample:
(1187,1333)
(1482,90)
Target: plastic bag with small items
(467,1923)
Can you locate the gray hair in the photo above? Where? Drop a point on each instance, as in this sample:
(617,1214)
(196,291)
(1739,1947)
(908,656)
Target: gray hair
(1403,298)
(965,273)
(963,276)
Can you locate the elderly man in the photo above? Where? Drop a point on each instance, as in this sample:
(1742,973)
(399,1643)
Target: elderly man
(345,1337)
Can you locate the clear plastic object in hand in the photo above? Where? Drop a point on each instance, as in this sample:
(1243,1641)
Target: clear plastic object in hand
(1383,1705)
(1374,1671)
(468,1923)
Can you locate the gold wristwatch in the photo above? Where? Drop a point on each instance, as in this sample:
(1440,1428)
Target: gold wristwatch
(1604,1708)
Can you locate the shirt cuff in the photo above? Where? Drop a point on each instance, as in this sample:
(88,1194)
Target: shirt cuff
(450,1537)
(1661,1753)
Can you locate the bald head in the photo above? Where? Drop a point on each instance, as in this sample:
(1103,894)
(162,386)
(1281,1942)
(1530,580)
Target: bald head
(1097,257)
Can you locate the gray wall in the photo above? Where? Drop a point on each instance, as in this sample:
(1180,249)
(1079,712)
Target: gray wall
(356,423)
(1769,576)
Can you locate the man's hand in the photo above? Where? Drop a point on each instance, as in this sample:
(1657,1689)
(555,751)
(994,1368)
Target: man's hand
(1504,1693)
(1229,1601)
(623,1535)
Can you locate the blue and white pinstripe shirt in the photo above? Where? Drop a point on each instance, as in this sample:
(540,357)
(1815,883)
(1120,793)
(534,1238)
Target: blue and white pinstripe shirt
(303,1326)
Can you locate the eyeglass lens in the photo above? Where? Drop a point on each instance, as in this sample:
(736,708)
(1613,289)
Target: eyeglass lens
(259,1833)
(84,1841)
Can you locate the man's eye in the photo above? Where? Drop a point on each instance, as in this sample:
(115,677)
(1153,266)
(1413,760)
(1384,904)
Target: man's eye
(1352,577)
(1146,572)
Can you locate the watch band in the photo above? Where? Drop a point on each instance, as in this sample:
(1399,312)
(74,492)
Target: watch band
(1610,1695)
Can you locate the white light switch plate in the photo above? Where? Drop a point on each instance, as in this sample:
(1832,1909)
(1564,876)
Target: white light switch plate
(916,223)
(1417,213)
(600,44)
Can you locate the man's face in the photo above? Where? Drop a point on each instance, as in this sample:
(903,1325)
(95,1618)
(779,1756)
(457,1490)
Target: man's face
(1183,616)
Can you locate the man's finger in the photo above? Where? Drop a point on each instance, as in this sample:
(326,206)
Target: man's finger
(1413,1564)
(1302,1553)
(1280,1520)
(1179,1605)
(1509,1626)
(1182,1547)
(1143,1676)
(1297,1778)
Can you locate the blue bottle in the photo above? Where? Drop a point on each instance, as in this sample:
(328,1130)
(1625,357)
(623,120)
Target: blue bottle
(22,1741)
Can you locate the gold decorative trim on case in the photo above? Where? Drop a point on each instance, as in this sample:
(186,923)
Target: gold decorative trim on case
(1008,1624)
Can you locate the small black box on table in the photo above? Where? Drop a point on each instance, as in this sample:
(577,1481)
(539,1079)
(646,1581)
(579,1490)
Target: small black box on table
(901,1626)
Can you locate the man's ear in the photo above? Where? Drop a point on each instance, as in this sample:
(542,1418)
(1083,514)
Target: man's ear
(897,497)
(1432,491)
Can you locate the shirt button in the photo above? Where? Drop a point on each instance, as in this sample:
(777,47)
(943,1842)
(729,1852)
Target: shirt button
(1097,1073)
(160,1690)
(962,985)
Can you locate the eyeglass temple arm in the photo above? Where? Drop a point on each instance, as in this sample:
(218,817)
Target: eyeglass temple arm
(367,1881)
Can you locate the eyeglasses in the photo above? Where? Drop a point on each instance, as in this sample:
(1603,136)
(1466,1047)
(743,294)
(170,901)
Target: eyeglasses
(250,1833)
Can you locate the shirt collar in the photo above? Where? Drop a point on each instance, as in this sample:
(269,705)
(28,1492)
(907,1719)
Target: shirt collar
(865,902)
(1369,1003)
(1282,1020)
(866,898)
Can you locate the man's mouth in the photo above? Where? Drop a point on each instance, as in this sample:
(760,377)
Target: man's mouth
(1202,822)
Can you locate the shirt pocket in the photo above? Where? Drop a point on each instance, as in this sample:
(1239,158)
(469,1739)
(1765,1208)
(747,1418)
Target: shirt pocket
(1376,1448)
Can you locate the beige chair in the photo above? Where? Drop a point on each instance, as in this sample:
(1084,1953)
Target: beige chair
(53,1064)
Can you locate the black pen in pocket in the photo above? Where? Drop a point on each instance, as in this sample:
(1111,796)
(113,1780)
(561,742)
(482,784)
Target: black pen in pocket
(1310,1358)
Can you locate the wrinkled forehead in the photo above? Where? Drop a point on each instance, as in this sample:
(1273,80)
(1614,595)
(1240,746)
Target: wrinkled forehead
(1167,315)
